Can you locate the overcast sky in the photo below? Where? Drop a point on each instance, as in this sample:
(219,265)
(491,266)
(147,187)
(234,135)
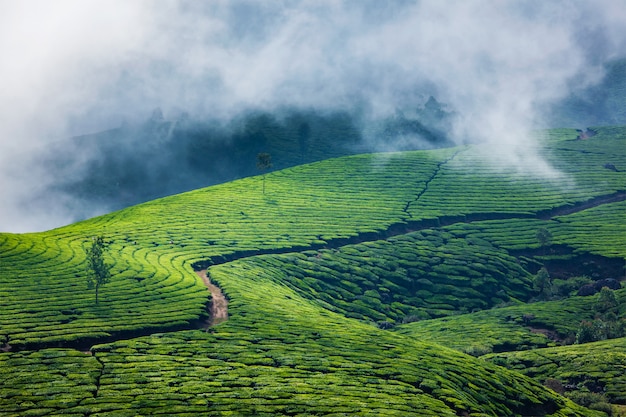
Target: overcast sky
(78,66)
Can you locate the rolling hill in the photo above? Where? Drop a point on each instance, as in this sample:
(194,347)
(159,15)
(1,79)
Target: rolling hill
(131,164)
(135,163)
(356,286)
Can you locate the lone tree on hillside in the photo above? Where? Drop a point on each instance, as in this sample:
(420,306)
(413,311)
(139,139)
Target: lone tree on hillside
(263,163)
(543,283)
(606,301)
(544,237)
(98,271)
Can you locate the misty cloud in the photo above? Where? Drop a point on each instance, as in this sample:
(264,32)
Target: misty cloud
(71,67)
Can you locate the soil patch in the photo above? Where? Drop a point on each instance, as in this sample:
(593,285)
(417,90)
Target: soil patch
(218,307)
(550,334)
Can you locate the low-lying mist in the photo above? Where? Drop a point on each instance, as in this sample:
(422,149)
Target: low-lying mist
(81,80)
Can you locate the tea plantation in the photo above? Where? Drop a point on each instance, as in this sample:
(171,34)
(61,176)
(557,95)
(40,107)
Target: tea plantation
(517,327)
(321,271)
(598,367)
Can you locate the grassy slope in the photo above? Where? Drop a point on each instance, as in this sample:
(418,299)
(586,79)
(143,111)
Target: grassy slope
(155,243)
(134,164)
(509,328)
(422,274)
(598,366)
(279,354)
(332,199)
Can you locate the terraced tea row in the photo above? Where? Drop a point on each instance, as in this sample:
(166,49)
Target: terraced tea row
(151,286)
(598,367)
(599,230)
(415,276)
(154,244)
(518,327)
(48,303)
(46,382)
(472,183)
(279,354)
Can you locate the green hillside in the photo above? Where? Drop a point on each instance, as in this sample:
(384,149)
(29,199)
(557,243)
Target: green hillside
(597,367)
(518,327)
(316,270)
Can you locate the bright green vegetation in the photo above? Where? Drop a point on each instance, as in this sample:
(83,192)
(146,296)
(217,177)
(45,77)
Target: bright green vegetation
(573,230)
(518,327)
(46,382)
(281,354)
(46,300)
(317,276)
(598,367)
(473,185)
(153,245)
(415,276)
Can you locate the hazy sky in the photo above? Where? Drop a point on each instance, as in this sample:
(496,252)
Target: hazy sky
(78,66)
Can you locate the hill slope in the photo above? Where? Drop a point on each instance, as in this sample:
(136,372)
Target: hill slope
(300,337)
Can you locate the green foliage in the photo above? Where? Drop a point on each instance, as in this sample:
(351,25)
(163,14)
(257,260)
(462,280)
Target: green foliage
(543,283)
(599,329)
(607,302)
(98,271)
(292,345)
(544,236)
(591,331)
(517,327)
(562,288)
(591,400)
(592,367)
(609,321)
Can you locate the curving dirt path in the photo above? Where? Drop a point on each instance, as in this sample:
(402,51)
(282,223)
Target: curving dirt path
(219,303)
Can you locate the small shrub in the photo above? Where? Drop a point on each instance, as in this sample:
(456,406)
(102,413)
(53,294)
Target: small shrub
(602,406)
(411,318)
(591,400)
(591,331)
(599,329)
(606,301)
(478,350)
(385,325)
(567,287)
(543,283)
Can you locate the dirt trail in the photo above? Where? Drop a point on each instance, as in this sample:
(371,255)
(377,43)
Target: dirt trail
(219,303)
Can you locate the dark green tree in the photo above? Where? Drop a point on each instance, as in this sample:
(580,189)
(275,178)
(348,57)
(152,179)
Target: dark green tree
(544,237)
(543,283)
(606,301)
(98,271)
(591,331)
(263,163)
